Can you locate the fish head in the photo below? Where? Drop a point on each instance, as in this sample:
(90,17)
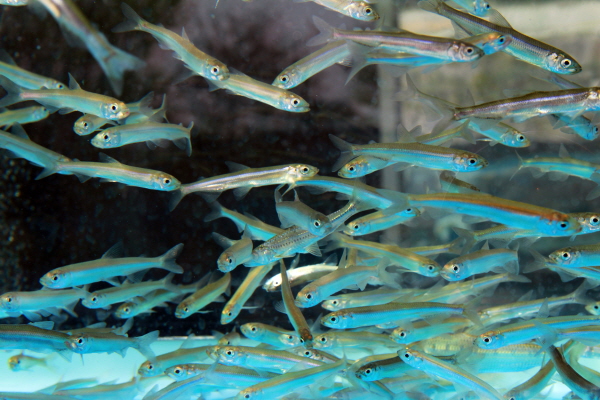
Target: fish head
(464,52)
(182,371)
(250,393)
(227,261)
(95,300)
(489,340)
(308,297)
(287,79)
(334,304)
(230,311)
(126,310)
(336,319)
(491,42)
(430,269)
(231,355)
(357,227)
(562,64)
(150,368)
(107,139)
(293,103)
(290,340)
(320,225)
(324,341)
(356,168)
(465,162)
(593,308)
(14,363)
(79,343)
(369,372)
(116,110)
(590,222)
(411,357)
(454,271)
(559,224)
(514,138)
(216,71)
(401,335)
(481,8)
(183,310)
(164,181)
(308,353)
(83,126)
(361,10)
(41,112)
(252,330)
(568,256)
(273,284)
(299,171)
(57,279)
(9,301)
(56,85)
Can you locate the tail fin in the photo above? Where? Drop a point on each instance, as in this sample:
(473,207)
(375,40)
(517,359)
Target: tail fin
(176,197)
(430,5)
(168,259)
(358,55)
(347,150)
(13,90)
(325,35)
(115,65)
(442,107)
(133,22)
(468,236)
(144,342)
(215,213)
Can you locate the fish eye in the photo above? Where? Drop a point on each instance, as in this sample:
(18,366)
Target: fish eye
(594,220)
(368,371)
(333,319)
(80,341)
(487,6)
(301,340)
(85,124)
(150,367)
(455,268)
(304,170)
(166,181)
(55,278)
(402,334)
(520,138)
(566,255)
(596,306)
(566,63)
(229,314)
(355,227)
(307,353)
(512,398)
(501,39)
(295,102)
(177,371)
(309,296)
(113,107)
(185,309)
(229,261)
(487,339)
(323,339)
(61,86)
(9,299)
(215,70)
(351,169)
(283,78)
(94,299)
(246,396)
(430,267)
(469,50)
(126,310)
(407,355)
(317,224)
(253,329)
(472,161)
(106,136)
(564,225)
(409,210)
(334,302)
(229,352)
(368,11)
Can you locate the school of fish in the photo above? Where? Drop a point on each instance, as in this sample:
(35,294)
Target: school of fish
(380,336)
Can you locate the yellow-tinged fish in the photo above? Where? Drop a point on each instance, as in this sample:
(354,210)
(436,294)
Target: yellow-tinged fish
(292,310)
(203,297)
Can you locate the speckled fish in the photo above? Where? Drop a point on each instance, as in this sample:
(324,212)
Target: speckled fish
(396,255)
(404,41)
(577,256)
(23,115)
(278,361)
(35,304)
(108,267)
(24,78)
(357,9)
(545,221)
(250,283)
(74,99)
(418,154)
(312,64)
(110,170)
(378,221)
(296,213)
(291,309)
(522,47)
(195,59)
(269,334)
(433,366)
(19,145)
(290,382)
(118,294)
(300,275)
(257,229)
(236,251)
(203,297)
(113,61)
(479,262)
(153,133)
(101,342)
(243,85)
(349,276)
(380,314)
(242,179)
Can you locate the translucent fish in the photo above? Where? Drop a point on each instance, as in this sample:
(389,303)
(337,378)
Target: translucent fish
(357,9)
(90,342)
(378,221)
(481,261)
(24,78)
(278,361)
(246,289)
(296,213)
(23,115)
(39,338)
(236,251)
(576,256)
(203,297)
(90,123)
(21,362)
(257,229)
(534,385)
(38,303)
(476,7)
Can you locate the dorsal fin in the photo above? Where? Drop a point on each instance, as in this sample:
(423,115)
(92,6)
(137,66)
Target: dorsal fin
(184,35)
(6,58)
(73,85)
(114,252)
(107,159)
(235,167)
(18,130)
(562,152)
(498,19)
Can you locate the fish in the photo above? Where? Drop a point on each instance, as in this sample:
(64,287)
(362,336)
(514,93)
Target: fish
(403,41)
(300,71)
(269,334)
(357,9)
(153,133)
(203,297)
(91,342)
(257,229)
(522,47)
(481,261)
(582,387)
(230,375)
(378,221)
(475,7)
(108,267)
(193,58)
(291,309)
(435,138)
(236,251)
(14,2)
(242,179)
(410,333)
(182,355)
(296,213)
(140,305)
(26,79)
(418,154)
(576,256)
(90,123)
(275,361)
(40,303)
(242,85)
(66,101)
(382,295)
(299,275)
(23,115)
(111,170)
(251,282)
(38,337)
(342,339)
(21,362)
(534,385)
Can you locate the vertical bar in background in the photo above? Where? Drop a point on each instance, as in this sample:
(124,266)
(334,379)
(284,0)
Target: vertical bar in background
(388,115)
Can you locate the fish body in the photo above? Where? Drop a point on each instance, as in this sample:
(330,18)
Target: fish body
(89,123)
(577,256)
(107,267)
(203,297)
(300,275)
(480,262)
(296,213)
(257,229)
(141,305)
(236,251)
(269,334)
(251,282)
(357,9)
(499,132)
(277,361)
(293,312)
(32,304)
(227,375)
(379,221)
(181,356)
(24,78)
(342,339)
(23,115)
(475,7)
(378,296)
(585,389)
(101,342)
(31,337)
(415,333)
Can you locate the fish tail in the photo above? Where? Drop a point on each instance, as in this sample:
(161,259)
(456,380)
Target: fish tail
(442,107)
(222,240)
(466,134)
(176,197)
(47,172)
(335,241)
(456,246)
(579,295)
(168,259)
(144,342)
(468,237)
(133,21)
(358,57)
(433,6)
(145,104)
(13,90)
(538,263)
(326,32)
(345,148)
(115,64)
(215,213)
(168,284)
(386,277)
(521,165)
(518,278)
(596,191)
(189,140)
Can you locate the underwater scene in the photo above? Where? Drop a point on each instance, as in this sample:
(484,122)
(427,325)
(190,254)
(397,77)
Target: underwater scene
(299,199)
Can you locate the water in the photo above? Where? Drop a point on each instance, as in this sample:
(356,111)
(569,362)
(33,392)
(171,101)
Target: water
(58,221)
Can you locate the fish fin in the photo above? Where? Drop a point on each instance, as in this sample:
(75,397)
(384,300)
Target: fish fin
(144,342)
(151,145)
(347,150)
(137,276)
(73,85)
(209,197)
(579,296)
(184,35)
(279,306)
(216,212)
(557,176)
(429,5)
(144,104)
(497,18)
(235,167)
(107,159)
(222,240)
(30,315)
(115,251)
(116,64)
(241,192)
(13,92)
(325,32)
(176,196)
(52,170)
(591,195)
(313,249)
(562,152)
(113,281)
(48,325)
(182,143)
(358,58)
(18,131)
(538,263)
(6,58)
(168,259)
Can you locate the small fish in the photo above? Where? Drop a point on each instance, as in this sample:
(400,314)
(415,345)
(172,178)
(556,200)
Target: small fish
(411,333)
(379,221)
(357,9)
(479,262)
(242,179)
(451,184)
(262,359)
(74,99)
(522,47)
(576,256)
(98,342)
(234,376)
(38,337)
(300,275)
(195,59)
(108,267)
(382,295)
(110,170)
(23,115)
(534,385)
(113,61)
(236,251)
(476,7)
(236,303)
(35,304)
(153,133)
(257,229)
(293,312)
(24,78)
(296,213)
(269,334)
(243,85)
(182,355)
(14,2)
(404,41)
(203,296)
(312,64)
(21,362)
(582,387)
(140,305)
(90,123)
(342,339)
